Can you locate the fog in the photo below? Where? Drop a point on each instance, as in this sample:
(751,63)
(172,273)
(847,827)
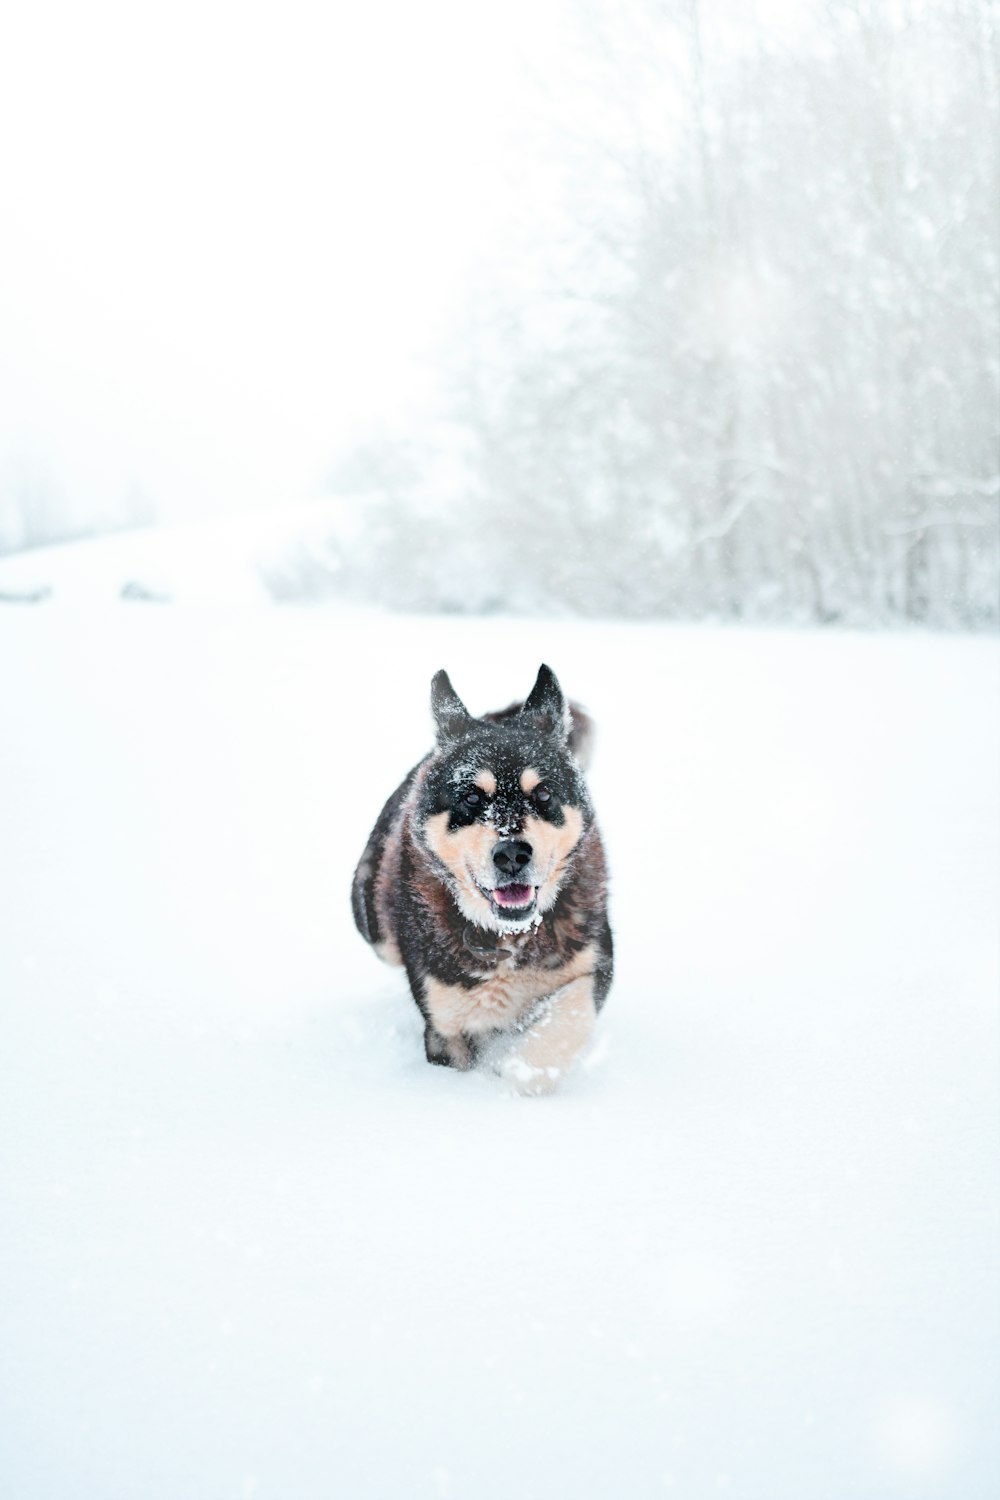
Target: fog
(231,239)
(684,310)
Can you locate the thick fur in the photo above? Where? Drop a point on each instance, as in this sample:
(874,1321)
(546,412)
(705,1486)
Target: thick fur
(485,878)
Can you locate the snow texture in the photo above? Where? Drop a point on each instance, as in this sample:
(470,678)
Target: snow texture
(253,1246)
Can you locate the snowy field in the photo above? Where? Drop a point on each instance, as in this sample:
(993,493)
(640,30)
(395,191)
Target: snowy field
(251,1245)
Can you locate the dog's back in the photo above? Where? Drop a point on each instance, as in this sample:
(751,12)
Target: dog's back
(581,730)
(371,873)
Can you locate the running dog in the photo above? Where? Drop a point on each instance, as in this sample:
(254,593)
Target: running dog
(485,879)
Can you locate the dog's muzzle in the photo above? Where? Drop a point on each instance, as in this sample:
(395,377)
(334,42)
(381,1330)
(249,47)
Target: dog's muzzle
(510,857)
(512,893)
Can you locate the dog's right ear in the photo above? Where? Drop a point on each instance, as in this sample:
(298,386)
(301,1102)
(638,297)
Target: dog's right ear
(451,716)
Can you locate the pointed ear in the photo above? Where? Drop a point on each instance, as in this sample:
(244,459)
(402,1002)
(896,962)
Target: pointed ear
(450,714)
(548,701)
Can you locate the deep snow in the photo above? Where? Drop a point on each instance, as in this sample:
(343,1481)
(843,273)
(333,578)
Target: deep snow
(251,1245)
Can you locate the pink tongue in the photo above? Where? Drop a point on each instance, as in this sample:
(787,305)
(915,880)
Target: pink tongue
(512,895)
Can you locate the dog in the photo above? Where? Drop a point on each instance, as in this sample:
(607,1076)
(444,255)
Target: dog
(485,879)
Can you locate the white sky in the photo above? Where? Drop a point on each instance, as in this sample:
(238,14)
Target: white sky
(229,232)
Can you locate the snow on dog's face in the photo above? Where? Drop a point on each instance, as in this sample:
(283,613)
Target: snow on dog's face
(504,805)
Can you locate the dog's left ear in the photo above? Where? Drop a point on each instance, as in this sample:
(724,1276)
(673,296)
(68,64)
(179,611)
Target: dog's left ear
(548,700)
(451,716)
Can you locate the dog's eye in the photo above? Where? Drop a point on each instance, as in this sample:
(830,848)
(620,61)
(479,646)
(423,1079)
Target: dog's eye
(542,794)
(472,798)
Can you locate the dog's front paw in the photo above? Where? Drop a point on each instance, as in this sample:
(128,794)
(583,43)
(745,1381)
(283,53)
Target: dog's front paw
(528,1078)
(554,1037)
(447,1052)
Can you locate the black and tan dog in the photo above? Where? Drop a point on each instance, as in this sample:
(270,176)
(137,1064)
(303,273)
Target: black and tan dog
(484,877)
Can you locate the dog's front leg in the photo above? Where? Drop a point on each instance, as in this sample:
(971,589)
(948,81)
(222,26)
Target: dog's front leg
(554,1038)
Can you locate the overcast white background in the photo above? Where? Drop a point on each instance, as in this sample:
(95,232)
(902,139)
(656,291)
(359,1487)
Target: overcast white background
(232,237)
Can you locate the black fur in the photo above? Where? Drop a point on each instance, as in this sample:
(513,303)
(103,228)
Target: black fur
(417,895)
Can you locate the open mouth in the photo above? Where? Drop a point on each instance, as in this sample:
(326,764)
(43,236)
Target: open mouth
(514,895)
(511,900)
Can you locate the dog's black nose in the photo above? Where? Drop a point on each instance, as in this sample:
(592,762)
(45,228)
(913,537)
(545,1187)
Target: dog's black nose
(511,855)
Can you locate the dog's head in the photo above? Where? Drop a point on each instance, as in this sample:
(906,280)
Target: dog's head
(504,806)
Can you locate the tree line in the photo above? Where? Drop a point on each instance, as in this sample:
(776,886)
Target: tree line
(750,368)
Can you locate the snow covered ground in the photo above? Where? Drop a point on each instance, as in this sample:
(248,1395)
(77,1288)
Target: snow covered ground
(208,562)
(251,1245)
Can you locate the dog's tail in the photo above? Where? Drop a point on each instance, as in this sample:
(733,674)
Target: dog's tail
(581,729)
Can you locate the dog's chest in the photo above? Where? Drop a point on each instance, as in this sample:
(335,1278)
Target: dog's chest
(500,1000)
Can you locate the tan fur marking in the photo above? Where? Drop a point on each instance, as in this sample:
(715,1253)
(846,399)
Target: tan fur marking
(462,848)
(552,846)
(461,851)
(486,782)
(530,778)
(537,1063)
(498,1002)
